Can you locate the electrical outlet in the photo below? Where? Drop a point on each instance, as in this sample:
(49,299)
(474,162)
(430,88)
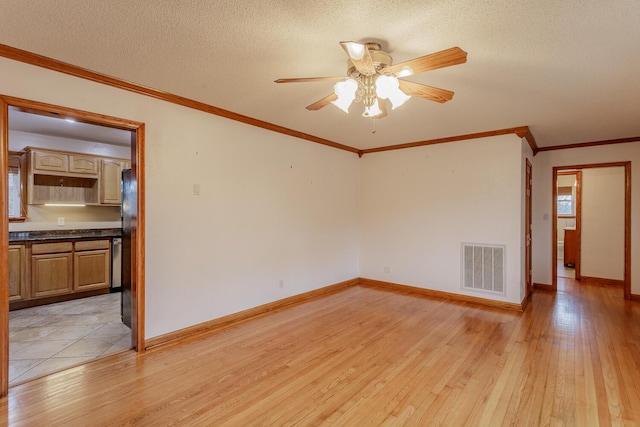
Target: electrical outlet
(281,283)
(60,220)
(196,189)
(387,270)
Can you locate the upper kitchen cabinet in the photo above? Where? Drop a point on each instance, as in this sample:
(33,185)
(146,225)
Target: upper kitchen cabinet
(85,165)
(44,161)
(72,178)
(49,179)
(110,180)
(62,164)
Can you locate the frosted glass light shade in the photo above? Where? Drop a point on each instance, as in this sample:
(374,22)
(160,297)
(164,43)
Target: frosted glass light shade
(346,92)
(372,111)
(388,87)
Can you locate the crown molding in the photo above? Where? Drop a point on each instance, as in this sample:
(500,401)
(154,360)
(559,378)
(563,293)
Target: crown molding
(521,131)
(73,70)
(590,144)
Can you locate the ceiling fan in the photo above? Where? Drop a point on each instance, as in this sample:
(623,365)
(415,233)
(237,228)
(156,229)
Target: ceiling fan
(372,78)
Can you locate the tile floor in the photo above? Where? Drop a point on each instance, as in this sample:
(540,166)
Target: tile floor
(52,337)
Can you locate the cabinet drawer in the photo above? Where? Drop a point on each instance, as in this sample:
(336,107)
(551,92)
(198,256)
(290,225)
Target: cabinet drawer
(89,245)
(51,248)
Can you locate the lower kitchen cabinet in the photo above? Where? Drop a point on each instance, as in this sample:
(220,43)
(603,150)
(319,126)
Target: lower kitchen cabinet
(17,272)
(51,274)
(91,265)
(58,270)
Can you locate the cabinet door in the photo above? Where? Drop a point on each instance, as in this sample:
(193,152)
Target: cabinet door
(110,177)
(83,164)
(46,161)
(17,271)
(91,270)
(51,274)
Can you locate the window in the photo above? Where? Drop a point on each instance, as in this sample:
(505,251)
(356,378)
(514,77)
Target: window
(17,211)
(565,201)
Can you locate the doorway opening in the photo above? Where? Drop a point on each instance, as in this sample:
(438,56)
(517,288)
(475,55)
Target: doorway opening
(592,224)
(86,264)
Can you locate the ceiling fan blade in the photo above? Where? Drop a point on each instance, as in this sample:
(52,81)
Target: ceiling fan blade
(360,57)
(310,79)
(427,92)
(383,108)
(321,103)
(433,61)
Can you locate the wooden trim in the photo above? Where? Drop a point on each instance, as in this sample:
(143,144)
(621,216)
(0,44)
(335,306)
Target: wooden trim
(225,322)
(526,300)
(528,235)
(578,207)
(138,242)
(72,70)
(590,144)
(525,132)
(627,230)
(567,216)
(634,297)
(572,169)
(603,281)
(544,287)
(396,287)
(4,251)
(137,147)
(627,219)
(554,233)
(79,115)
(516,130)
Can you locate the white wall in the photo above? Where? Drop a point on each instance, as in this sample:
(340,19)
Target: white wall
(419,205)
(272,207)
(602,238)
(542,199)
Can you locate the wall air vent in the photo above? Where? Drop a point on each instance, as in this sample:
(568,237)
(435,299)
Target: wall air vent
(483,268)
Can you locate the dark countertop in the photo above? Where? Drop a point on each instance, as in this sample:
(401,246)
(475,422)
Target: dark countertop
(37,236)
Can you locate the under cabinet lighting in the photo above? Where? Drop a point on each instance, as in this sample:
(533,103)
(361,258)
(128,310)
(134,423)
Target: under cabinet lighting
(77,205)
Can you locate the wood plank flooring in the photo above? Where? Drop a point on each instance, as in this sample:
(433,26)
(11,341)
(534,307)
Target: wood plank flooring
(370,357)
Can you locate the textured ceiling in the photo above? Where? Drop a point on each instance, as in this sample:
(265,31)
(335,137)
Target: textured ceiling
(569,70)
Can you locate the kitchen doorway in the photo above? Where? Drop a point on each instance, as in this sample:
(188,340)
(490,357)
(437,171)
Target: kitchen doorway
(598,242)
(136,240)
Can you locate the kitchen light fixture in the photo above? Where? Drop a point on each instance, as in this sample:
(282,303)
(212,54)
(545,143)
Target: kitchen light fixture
(75,205)
(372,79)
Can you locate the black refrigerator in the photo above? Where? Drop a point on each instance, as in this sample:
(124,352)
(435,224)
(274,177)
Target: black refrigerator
(128,212)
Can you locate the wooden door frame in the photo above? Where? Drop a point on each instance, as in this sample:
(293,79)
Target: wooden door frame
(528,234)
(578,215)
(627,221)
(138,227)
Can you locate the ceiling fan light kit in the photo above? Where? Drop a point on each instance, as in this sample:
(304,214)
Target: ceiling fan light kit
(372,79)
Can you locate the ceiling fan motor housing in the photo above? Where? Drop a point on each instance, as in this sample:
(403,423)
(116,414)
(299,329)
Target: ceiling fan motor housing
(381,59)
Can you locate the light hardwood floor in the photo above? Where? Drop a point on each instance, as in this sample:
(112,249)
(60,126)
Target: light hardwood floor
(370,357)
